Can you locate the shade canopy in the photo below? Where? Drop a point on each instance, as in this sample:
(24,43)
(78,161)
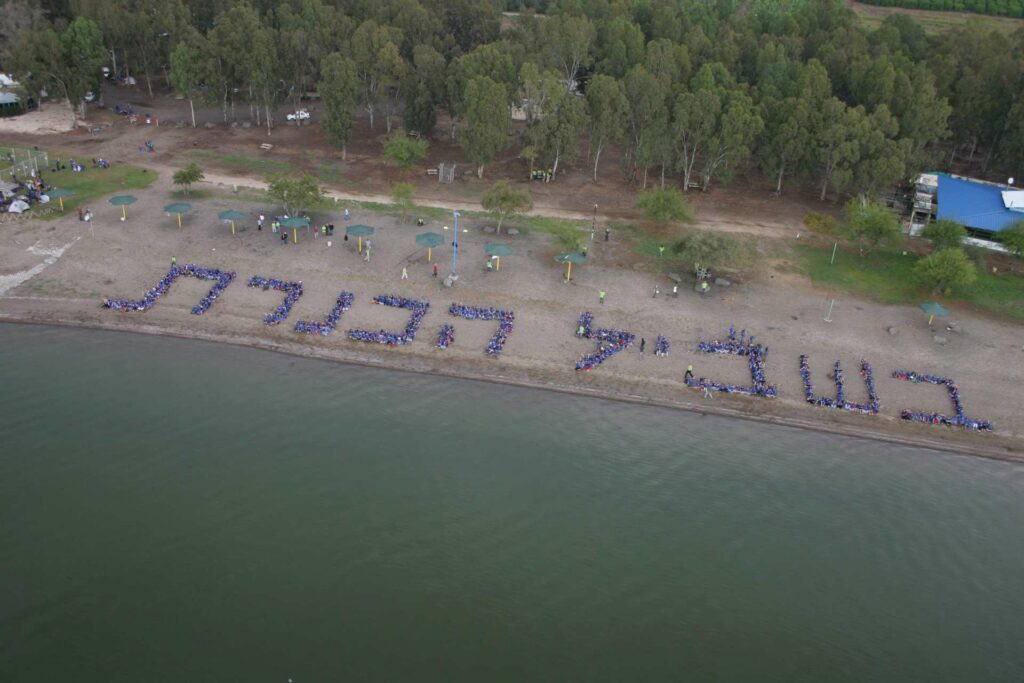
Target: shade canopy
(178,207)
(295,222)
(429,239)
(359,230)
(231,215)
(495,249)
(572,257)
(934,308)
(123,200)
(59,192)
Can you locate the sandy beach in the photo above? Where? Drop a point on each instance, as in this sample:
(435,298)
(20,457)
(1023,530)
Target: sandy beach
(58,272)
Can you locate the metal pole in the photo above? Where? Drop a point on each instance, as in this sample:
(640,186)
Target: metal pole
(833,259)
(455,242)
(828,318)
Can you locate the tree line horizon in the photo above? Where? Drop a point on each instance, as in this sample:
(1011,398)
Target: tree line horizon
(695,90)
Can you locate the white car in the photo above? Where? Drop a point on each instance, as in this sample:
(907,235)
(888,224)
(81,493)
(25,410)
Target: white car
(299,115)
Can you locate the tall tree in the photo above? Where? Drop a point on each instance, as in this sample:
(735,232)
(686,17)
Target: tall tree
(568,41)
(555,135)
(378,62)
(487,122)
(424,90)
(609,112)
(619,47)
(695,118)
(185,73)
(83,54)
(735,131)
(339,91)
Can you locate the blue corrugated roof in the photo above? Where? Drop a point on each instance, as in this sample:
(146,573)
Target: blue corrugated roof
(974,204)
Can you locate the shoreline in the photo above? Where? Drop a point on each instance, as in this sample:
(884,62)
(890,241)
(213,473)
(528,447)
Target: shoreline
(987,451)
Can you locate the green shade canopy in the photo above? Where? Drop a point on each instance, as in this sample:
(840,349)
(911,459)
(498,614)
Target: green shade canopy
(495,249)
(178,207)
(123,200)
(933,308)
(429,239)
(572,257)
(295,222)
(59,192)
(231,215)
(359,230)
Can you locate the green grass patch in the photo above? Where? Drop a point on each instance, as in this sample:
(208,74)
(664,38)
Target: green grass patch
(933,22)
(94,183)
(887,276)
(238,162)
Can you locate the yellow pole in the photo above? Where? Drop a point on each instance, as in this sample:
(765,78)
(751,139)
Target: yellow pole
(232,227)
(568,272)
(295,235)
(360,249)
(179,220)
(61,201)
(497,263)
(428,254)
(930,318)
(123,214)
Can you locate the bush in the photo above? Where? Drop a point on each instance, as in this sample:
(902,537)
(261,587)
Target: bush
(946,269)
(821,223)
(1013,238)
(945,234)
(404,151)
(714,249)
(503,200)
(870,224)
(187,176)
(665,204)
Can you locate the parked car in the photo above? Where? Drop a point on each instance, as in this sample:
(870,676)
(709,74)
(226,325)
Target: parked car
(299,115)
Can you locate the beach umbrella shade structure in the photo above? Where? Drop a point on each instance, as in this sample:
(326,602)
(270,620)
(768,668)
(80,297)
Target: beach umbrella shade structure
(359,231)
(123,200)
(295,222)
(570,258)
(59,194)
(933,309)
(497,251)
(231,216)
(178,208)
(429,240)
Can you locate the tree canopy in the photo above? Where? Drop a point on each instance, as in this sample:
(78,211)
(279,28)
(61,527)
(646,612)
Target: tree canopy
(696,91)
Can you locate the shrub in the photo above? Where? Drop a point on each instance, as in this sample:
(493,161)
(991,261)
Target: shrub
(946,269)
(945,234)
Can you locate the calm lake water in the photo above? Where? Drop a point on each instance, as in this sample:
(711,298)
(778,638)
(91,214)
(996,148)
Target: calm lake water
(180,511)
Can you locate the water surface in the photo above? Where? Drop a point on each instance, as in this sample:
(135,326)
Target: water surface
(181,511)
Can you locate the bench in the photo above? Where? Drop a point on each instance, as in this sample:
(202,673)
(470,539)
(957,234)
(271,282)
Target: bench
(266,146)
(431,171)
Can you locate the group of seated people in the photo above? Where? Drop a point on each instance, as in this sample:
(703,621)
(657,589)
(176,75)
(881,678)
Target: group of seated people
(959,419)
(324,328)
(661,346)
(29,191)
(506,318)
(446,337)
(419,310)
(222,279)
(292,290)
(738,346)
(609,342)
(840,400)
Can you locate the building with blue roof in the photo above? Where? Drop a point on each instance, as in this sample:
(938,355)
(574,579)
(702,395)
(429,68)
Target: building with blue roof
(978,205)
